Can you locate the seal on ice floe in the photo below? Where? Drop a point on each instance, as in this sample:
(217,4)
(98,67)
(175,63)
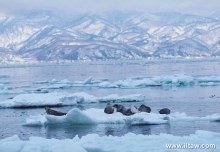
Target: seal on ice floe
(144,108)
(109,109)
(50,111)
(128,112)
(123,110)
(164,111)
(119,108)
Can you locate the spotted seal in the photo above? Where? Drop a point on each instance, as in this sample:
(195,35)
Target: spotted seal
(50,111)
(109,109)
(119,108)
(144,108)
(123,110)
(164,111)
(128,112)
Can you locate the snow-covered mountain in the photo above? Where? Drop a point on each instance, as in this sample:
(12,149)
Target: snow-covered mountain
(46,36)
(7,56)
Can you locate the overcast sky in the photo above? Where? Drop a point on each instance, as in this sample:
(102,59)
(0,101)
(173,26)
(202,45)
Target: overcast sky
(72,6)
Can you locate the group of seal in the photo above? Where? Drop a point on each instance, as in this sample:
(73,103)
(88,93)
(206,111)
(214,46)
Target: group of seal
(109,109)
(123,110)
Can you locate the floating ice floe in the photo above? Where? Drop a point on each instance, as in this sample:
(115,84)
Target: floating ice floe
(65,84)
(184,117)
(6,90)
(3,87)
(96,116)
(178,80)
(64,99)
(55,84)
(204,141)
(163,81)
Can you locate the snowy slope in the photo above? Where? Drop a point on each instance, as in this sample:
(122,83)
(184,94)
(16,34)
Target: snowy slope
(7,56)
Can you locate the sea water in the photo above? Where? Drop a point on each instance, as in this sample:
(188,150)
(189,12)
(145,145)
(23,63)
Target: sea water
(193,99)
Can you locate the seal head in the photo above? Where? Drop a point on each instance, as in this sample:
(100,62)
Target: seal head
(109,109)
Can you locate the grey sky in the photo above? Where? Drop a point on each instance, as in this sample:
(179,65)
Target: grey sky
(71,6)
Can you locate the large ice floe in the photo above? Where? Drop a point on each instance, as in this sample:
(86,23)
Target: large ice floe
(95,116)
(178,80)
(204,141)
(64,99)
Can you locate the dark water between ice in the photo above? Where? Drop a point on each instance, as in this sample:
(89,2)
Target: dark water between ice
(193,100)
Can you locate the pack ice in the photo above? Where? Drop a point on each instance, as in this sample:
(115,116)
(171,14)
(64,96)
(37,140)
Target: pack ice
(127,143)
(177,80)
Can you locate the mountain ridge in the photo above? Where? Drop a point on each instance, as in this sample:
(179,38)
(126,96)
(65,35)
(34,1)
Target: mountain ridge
(44,36)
